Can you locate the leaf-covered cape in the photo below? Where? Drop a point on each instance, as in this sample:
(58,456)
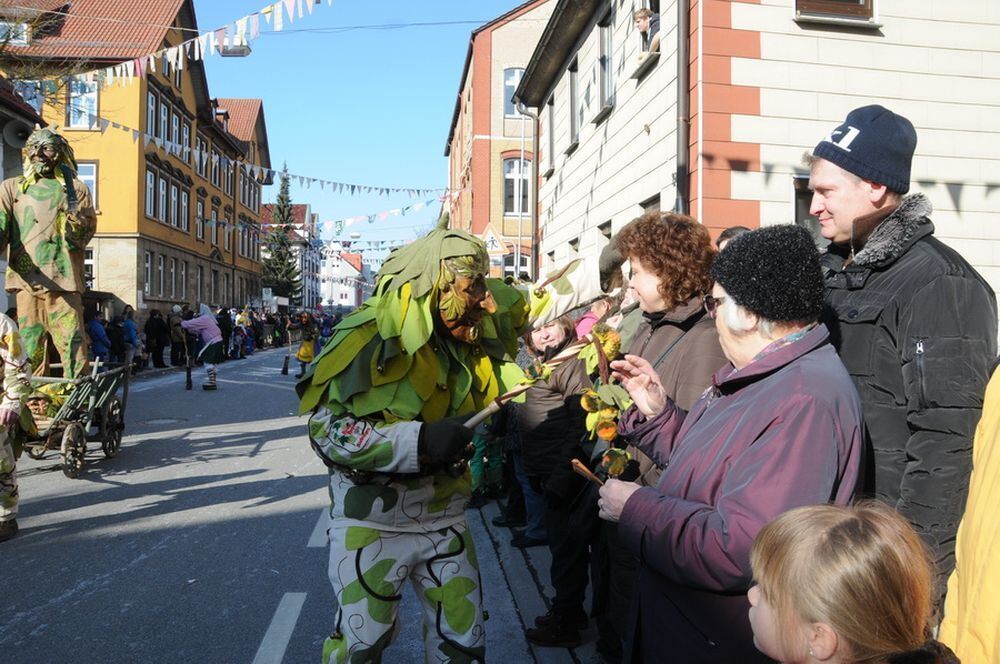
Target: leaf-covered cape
(385,362)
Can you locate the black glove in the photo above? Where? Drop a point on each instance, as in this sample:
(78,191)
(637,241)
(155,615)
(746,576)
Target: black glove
(611,260)
(444,441)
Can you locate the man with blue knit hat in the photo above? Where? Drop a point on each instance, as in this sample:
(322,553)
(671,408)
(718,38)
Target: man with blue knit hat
(914,323)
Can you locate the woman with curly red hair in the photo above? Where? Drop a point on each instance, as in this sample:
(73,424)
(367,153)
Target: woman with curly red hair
(669,258)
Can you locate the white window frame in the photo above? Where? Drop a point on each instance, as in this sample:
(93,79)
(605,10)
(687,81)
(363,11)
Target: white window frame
(185,210)
(606,60)
(186,142)
(76,89)
(150,193)
(148,272)
(173,277)
(200,283)
(19,30)
(574,102)
(161,200)
(174,202)
(175,133)
(152,103)
(199,220)
(89,179)
(215,227)
(159,274)
(225,233)
(511,79)
(31,92)
(164,120)
(523,173)
(184,276)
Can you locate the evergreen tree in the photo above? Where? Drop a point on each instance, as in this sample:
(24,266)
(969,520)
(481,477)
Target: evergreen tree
(280,268)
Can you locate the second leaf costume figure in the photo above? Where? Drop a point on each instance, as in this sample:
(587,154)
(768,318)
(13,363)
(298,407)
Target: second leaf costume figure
(388,396)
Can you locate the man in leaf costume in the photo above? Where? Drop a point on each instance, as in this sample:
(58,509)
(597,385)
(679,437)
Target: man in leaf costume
(388,395)
(47,218)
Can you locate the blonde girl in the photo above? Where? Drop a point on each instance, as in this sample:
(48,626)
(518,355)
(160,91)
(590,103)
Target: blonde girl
(843,585)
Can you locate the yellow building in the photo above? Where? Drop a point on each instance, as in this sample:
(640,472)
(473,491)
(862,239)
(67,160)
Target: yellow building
(178,206)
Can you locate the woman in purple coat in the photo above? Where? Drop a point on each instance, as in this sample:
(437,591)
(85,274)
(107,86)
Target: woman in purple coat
(779,428)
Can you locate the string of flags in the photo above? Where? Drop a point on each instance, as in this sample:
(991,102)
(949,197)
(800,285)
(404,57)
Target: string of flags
(207,158)
(240,32)
(338,226)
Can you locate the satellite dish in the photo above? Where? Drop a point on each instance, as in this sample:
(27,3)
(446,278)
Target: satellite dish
(15,133)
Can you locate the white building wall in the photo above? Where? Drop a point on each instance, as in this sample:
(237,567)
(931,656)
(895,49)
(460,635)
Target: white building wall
(935,61)
(627,158)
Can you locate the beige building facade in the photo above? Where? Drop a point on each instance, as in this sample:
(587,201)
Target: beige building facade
(490,143)
(767,80)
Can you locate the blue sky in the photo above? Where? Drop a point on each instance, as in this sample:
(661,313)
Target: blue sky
(368,106)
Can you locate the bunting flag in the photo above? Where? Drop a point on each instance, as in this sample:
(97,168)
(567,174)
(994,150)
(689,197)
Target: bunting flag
(259,172)
(241,31)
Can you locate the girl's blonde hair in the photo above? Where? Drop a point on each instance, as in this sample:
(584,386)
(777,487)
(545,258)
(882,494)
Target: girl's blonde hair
(861,569)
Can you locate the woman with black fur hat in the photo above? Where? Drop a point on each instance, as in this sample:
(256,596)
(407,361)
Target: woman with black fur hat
(779,428)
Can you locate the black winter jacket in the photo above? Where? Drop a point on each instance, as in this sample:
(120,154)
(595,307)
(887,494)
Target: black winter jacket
(916,327)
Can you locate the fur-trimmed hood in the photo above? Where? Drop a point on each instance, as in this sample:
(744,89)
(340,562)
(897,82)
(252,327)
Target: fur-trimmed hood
(893,236)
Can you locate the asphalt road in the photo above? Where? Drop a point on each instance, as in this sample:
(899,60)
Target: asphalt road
(203,541)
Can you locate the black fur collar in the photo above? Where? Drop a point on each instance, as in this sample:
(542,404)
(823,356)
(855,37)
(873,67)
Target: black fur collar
(892,237)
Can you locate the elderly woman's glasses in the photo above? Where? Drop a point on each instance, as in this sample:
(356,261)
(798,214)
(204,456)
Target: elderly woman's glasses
(712,304)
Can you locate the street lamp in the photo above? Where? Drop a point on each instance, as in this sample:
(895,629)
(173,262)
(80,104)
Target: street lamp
(234,48)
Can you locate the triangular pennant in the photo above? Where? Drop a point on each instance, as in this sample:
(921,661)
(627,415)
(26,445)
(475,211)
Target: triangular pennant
(135,136)
(220,37)
(254,26)
(300,8)
(104,125)
(146,138)
(241,29)
(290,6)
(279,16)
(309,6)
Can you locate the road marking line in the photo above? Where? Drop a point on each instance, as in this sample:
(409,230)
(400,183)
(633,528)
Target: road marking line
(279,632)
(319,538)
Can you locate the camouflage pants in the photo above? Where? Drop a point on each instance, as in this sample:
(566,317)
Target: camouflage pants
(367,570)
(8,476)
(57,318)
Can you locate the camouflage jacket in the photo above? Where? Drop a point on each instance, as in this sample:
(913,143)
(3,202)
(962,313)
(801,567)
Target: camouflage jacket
(375,477)
(46,241)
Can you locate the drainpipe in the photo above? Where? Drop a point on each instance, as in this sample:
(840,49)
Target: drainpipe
(523,110)
(681,177)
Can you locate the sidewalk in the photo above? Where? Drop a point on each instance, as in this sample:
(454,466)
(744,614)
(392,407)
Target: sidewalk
(526,572)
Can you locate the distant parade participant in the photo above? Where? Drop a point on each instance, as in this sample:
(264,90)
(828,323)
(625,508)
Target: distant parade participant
(16,388)
(207,329)
(388,397)
(309,331)
(47,218)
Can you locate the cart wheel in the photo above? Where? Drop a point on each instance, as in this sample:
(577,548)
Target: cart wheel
(35,451)
(74,446)
(112,425)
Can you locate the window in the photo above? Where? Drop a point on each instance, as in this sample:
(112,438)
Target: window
(88,269)
(226,295)
(215,227)
(199,220)
(159,275)
(151,104)
(173,277)
(228,175)
(225,233)
(174,221)
(13,34)
(161,206)
(215,167)
(511,79)
(515,186)
(511,258)
(574,111)
(87,173)
(185,210)
(836,10)
(164,119)
(184,279)
(607,63)
(186,142)
(31,92)
(175,133)
(201,156)
(165,66)
(148,285)
(177,77)
(150,193)
(200,283)
(215,286)
(81,104)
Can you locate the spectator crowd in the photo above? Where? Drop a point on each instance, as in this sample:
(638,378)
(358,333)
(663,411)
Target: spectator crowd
(789,475)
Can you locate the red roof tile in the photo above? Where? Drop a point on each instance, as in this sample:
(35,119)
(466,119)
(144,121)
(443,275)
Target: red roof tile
(298,213)
(353,259)
(242,116)
(101,29)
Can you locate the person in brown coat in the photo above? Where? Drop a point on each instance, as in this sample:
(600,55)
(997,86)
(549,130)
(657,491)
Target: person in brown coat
(669,258)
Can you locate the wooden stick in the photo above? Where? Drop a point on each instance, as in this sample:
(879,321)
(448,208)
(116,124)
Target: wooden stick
(581,469)
(494,407)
